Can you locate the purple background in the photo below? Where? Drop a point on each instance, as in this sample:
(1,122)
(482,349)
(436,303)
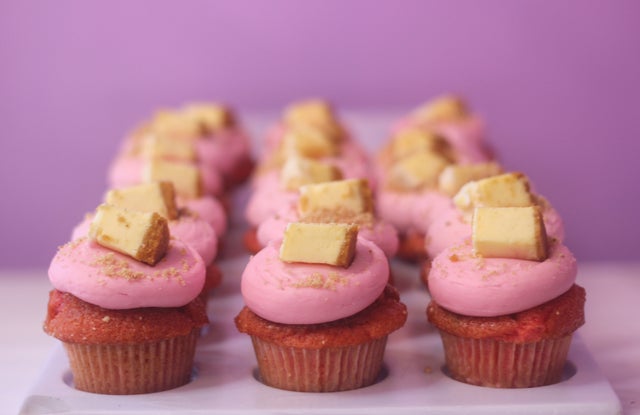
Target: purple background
(558,82)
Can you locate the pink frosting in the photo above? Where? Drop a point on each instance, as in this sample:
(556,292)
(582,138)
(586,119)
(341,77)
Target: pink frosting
(409,211)
(126,171)
(223,150)
(381,233)
(485,287)
(268,198)
(297,293)
(209,209)
(195,232)
(80,268)
(449,228)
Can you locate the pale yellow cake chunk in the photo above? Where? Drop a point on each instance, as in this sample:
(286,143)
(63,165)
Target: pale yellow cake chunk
(418,171)
(185,177)
(164,146)
(308,141)
(444,108)
(509,232)
(319,243)
(411,141)
(147,197)
(454,176)
(211,117)
(349,197)
(505,190)
(143,236)
(298,171)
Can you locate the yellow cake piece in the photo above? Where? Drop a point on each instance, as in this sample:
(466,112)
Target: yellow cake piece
(509,232)
(143,236)
(348,197)
(299,171)
(147,197)
(185,177)
(319,243)
(454,176)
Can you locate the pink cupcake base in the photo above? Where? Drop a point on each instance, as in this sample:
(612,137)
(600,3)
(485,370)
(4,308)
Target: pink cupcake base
(319,370)
(499,364)
(128,369)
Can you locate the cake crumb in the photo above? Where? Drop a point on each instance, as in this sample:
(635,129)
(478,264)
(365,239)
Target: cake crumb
(106,319)
(428,370)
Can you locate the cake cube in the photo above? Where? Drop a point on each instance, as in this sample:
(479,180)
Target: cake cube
(164,146)
(505,190)
(319,243)
(147,197)
(417,171)
(143,236)
(185,177)
(454,176)
(211,117)
(443,108)
(509,232)
(298,171)
(308,141)
(351,196)
(411,141)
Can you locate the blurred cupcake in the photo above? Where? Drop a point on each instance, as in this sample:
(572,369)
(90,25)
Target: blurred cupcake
(452,224)
(278,191)
(319,310)
(450,117)
(125,304)
(215,139)
(160,197)
(505,303)
(340,201)
(408,170)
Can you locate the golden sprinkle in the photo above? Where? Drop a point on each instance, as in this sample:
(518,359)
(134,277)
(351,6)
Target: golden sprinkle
(114,267)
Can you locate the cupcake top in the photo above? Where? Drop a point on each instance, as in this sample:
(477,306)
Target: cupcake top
(508,266)
(282,288)
(340,201)
(128,258)
(160,197)
(452,224)
(109,279)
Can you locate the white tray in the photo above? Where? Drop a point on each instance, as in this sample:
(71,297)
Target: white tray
(413,382)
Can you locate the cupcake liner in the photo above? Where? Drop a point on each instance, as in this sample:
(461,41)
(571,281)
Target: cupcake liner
(319,370)
(499,364)
(127,369)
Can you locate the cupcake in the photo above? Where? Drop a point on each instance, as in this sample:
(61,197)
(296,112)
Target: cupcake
(451,117)
(277,191)
(183,224)
(125,304)
(318,309)
(340,201)
(207,134)
(505,302)
(408,171)
(452,224)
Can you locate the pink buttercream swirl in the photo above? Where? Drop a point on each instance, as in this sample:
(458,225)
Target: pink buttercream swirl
(486,287)
(379,232)
(192,230)
(115,281)
(297,293)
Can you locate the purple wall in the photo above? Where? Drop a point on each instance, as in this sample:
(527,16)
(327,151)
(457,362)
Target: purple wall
(559,83)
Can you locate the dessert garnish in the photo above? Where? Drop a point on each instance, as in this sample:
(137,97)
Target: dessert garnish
(186,177)
(347,198)
(509,232)
(454,176)
(298,171)
(444,108)
(164,146)
(143,236)
(505,190)
(418,171)
(147,197)
(319,243)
